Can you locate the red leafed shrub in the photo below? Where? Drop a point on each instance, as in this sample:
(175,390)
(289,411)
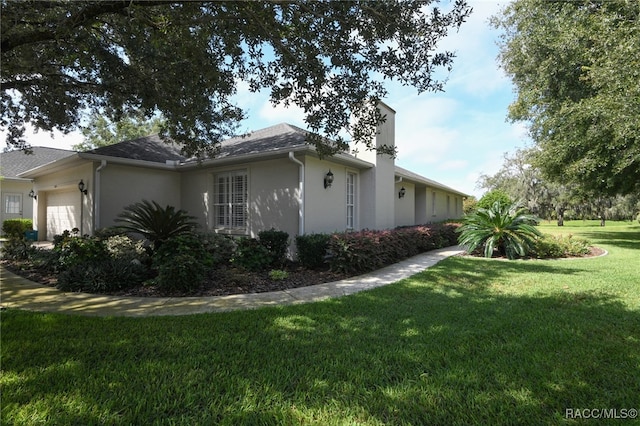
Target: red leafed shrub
(362,251)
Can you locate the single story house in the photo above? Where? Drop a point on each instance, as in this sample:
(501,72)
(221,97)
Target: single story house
(16,192)
(269,179)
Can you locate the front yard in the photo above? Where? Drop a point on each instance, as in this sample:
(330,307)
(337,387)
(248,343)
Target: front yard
(469,341)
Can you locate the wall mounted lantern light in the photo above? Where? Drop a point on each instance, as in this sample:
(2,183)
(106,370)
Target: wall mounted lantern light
(81,187)
(402,192)
(328,180)
(33,195)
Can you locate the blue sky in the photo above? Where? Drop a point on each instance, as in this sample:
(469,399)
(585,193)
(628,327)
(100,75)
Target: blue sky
(451,136)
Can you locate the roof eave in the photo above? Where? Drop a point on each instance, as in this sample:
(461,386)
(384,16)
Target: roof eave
(50,167)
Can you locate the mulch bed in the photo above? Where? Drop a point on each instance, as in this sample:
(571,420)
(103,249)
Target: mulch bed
(223,281)
(220,282)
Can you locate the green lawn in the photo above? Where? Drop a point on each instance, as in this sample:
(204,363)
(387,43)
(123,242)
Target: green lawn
(470,341)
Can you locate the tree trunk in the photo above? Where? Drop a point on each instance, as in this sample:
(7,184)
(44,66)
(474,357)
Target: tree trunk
(560,212)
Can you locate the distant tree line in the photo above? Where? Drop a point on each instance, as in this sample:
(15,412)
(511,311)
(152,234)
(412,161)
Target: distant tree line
(520,179)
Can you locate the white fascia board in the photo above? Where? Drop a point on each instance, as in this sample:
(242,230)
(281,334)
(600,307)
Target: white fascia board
(51,167)
(414,177)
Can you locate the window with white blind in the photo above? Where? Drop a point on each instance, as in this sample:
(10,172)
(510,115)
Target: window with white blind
(351,200)
(12,204)
(231,204)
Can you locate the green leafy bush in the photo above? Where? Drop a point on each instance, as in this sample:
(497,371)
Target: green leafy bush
(124,247)
(503,227)
(312,250)
(17,248)
(356,252)
(75,250)
(156,223)
(181,262)
(490,198)
(277,242)
(252,255)
(220,247)
(556,246)
(278,275)
(16,227)
(101,276)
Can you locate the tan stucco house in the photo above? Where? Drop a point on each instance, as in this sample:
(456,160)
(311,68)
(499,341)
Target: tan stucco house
(270,178)
(16,192)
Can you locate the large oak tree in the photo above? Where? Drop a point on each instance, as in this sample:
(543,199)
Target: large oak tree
(63,59)
(576,69)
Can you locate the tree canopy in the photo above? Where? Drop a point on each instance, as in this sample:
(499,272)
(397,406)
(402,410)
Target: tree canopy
(100,131)
(62,59)
(576,69)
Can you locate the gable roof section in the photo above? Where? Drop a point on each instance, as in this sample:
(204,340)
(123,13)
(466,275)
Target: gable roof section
(148,148)
(275,138)
(13,163)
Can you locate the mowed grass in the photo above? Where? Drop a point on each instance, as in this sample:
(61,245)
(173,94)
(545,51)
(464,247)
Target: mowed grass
(469,341)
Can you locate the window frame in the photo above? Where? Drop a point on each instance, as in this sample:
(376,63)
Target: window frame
(18,203)
(233,202)
(351,209)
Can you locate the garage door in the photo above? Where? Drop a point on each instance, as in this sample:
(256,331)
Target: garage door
(63,212)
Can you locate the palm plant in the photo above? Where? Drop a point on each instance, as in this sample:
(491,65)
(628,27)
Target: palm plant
(156,223)
(503,227)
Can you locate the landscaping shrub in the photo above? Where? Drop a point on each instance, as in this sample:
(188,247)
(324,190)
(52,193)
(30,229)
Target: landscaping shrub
(181,262)
(312,250)
(220,247)
(489,199)
(124,247)
(555,246)
(356,252)
(74,250)
(277,243)
(156,223)
(252,255)
(503,227)
(278,274)
(17,248)
(94,265)
(16,227)
(101,276)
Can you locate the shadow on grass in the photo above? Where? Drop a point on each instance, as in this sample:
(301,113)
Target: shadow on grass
(626,240)
(442,348)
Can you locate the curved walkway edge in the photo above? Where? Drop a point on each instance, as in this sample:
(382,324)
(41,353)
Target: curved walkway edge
(19,293)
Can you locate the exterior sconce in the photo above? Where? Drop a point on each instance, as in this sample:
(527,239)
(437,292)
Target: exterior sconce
(81,187)
(33,195)
(402,192)
(328,180)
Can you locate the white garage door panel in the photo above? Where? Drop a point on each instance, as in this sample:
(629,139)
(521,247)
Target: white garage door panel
(63,212)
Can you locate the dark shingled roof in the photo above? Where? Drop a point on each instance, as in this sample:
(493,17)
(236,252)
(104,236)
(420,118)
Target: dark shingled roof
(148,148)
(152,148)
(13,163)
(274,138)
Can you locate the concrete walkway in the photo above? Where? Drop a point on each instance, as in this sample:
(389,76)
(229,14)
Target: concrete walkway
(19,293)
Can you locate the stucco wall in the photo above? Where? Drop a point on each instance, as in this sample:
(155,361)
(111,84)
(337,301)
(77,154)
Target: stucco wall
(405,206)
(326,209)
(8,186)
(65,180)
(273,195)
(125,185)
(447,205)
(273,189)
